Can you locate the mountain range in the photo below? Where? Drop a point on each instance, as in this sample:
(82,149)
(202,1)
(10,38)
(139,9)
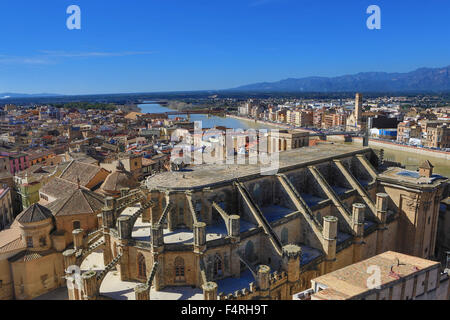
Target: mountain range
(420,80)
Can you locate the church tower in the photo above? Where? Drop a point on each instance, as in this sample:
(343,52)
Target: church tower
(358,108)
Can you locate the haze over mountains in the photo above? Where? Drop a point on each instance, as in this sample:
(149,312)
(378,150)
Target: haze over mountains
(420,80)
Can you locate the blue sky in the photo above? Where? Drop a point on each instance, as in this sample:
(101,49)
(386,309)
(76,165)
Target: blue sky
(172,45)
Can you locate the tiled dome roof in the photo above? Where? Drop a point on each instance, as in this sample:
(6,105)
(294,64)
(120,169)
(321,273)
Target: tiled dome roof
(34,213)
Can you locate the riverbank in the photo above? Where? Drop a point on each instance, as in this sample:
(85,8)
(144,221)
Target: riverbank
(410,149)
(209,121)
(266,123)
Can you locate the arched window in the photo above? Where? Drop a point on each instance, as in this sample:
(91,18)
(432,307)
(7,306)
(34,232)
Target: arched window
(179,270)
(218,266)
(257,192)
(142,268)
(181,214)
(284,236)
(250,251)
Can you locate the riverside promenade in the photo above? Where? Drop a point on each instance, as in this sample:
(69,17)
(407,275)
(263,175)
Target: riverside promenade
(405,148)
(269,124)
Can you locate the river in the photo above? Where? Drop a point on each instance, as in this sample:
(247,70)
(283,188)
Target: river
(207,122)
(410,160)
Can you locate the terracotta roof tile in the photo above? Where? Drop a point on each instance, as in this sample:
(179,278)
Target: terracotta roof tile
(28,255)
(58,188)
(34,213)
(80,170)
(80,201)
(10,240)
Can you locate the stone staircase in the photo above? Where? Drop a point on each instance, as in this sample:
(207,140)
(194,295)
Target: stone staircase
(108,268)
(366,164)
(259,216)
(192,209)
(93,247)
(165,214)
(357,186)
(152,274)
(138,213)
(247,264)
(332,196)
(301,205)
(94,236)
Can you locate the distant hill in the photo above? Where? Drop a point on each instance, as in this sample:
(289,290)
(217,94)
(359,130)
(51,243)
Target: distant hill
(420,80)
(25,95)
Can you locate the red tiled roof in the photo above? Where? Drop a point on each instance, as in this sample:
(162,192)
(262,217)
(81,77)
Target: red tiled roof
(10,240)
(28,255)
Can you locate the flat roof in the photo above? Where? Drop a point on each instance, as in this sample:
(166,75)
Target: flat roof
(208,175)
(351,281)
(400,175)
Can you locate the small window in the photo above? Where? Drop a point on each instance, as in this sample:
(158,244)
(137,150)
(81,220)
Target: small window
(142,269)
(43,241)
(179,270)
(218,266)
(429,220)
(29,242)
(76,225)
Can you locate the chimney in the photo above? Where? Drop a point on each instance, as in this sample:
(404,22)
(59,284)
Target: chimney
(426,169)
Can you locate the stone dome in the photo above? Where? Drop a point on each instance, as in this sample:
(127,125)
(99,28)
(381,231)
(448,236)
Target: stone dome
(119,179)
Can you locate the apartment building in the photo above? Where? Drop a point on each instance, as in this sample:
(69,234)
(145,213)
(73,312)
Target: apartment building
(438,136)
(6,210)
(408,130)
